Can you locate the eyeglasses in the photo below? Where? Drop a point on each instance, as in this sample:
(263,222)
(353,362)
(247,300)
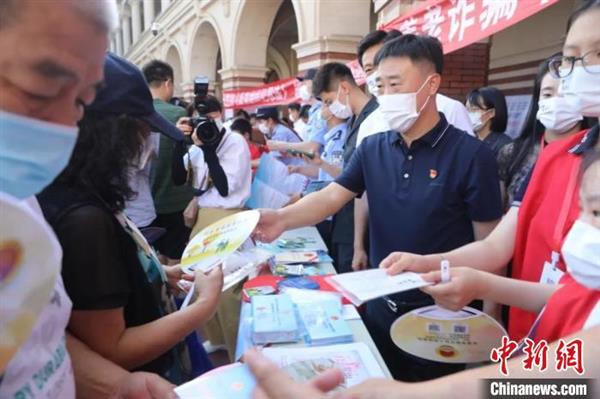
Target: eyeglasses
(562,66)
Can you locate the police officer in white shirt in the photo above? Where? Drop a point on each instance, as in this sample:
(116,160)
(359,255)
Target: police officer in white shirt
(44,90)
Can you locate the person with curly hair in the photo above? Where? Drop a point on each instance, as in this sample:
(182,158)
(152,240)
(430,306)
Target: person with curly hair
(121,294)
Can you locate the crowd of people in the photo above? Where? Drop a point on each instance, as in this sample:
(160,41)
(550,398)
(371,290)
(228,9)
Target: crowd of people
(106,176)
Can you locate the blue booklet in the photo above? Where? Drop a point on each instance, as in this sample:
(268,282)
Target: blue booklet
(274,319)
(234,381)
(323,323)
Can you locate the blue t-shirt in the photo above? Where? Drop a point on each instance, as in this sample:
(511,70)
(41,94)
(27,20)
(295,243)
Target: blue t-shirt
(283,133)
(423,199)
(333,152)
(317,126)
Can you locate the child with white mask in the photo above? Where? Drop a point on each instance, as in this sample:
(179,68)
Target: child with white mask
(565,308)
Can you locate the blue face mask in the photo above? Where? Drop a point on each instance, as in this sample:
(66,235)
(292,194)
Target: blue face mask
(32,153)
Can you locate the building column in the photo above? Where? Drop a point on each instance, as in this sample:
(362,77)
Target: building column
(119,41)
(126,28)
(242,77)
(314,53)
(164,4)
(149,13)
(136,19)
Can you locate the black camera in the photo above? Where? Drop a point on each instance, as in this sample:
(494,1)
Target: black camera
(205,128)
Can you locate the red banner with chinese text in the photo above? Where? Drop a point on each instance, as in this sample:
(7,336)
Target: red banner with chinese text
(276,93)
(456,23)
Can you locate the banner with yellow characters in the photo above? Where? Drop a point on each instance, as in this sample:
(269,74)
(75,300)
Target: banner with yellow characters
(441,335)
(216,242)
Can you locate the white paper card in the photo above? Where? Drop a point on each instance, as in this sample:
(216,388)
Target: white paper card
(363,286)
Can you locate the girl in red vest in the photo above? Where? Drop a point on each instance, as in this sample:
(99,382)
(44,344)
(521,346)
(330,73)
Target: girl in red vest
(567,307)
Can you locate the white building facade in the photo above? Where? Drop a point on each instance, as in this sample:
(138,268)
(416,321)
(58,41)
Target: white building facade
(240,43)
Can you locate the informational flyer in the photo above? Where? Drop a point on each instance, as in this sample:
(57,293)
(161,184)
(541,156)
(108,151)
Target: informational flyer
(273,184)
(441,335)
(218,241)
(234,381)
(30,260)
(355,360)
(363,286)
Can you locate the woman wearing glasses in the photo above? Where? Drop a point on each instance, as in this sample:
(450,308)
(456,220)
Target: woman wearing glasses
(532,232)
(549,118)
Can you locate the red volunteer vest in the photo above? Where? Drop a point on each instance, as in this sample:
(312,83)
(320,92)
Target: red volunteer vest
(549,209)
(567,310)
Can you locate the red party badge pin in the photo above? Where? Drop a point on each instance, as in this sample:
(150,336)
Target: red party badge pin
(433,173)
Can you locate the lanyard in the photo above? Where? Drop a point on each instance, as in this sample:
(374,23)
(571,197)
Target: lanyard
(557,238)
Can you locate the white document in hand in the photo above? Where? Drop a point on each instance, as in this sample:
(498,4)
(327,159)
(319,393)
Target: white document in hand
(363,286)
(355,360)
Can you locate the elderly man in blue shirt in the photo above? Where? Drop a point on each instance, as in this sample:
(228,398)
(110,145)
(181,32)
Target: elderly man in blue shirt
(432,187)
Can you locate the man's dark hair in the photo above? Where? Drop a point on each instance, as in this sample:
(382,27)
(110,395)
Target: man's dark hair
(294,106)
(328,77)
(491,98)
(157,71)
(242,113)
(417,48)
(373,39)
(242,125)
(304,111)
(213,104)
(590,157)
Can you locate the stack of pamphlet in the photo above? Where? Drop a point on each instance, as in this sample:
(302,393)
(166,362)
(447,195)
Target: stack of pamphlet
(323,323)
(274,319)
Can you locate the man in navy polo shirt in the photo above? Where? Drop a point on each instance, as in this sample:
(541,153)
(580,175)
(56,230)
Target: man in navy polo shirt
(431,188)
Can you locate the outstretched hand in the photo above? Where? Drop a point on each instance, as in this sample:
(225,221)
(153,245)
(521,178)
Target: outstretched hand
(269,227)
(274,383)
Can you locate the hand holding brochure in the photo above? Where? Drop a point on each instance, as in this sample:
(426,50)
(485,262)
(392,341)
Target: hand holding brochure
(355,360)
(363,286)
(234,381)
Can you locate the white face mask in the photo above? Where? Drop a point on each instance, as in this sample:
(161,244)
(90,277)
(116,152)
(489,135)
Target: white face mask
(219,124)
(582,90)
(400,109)
(304,94)
(339,110)
(557,114)
(581,252)
(264,128)
(475,118)
(372,84)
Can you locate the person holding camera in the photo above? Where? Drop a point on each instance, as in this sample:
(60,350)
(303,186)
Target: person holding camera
(219,165)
